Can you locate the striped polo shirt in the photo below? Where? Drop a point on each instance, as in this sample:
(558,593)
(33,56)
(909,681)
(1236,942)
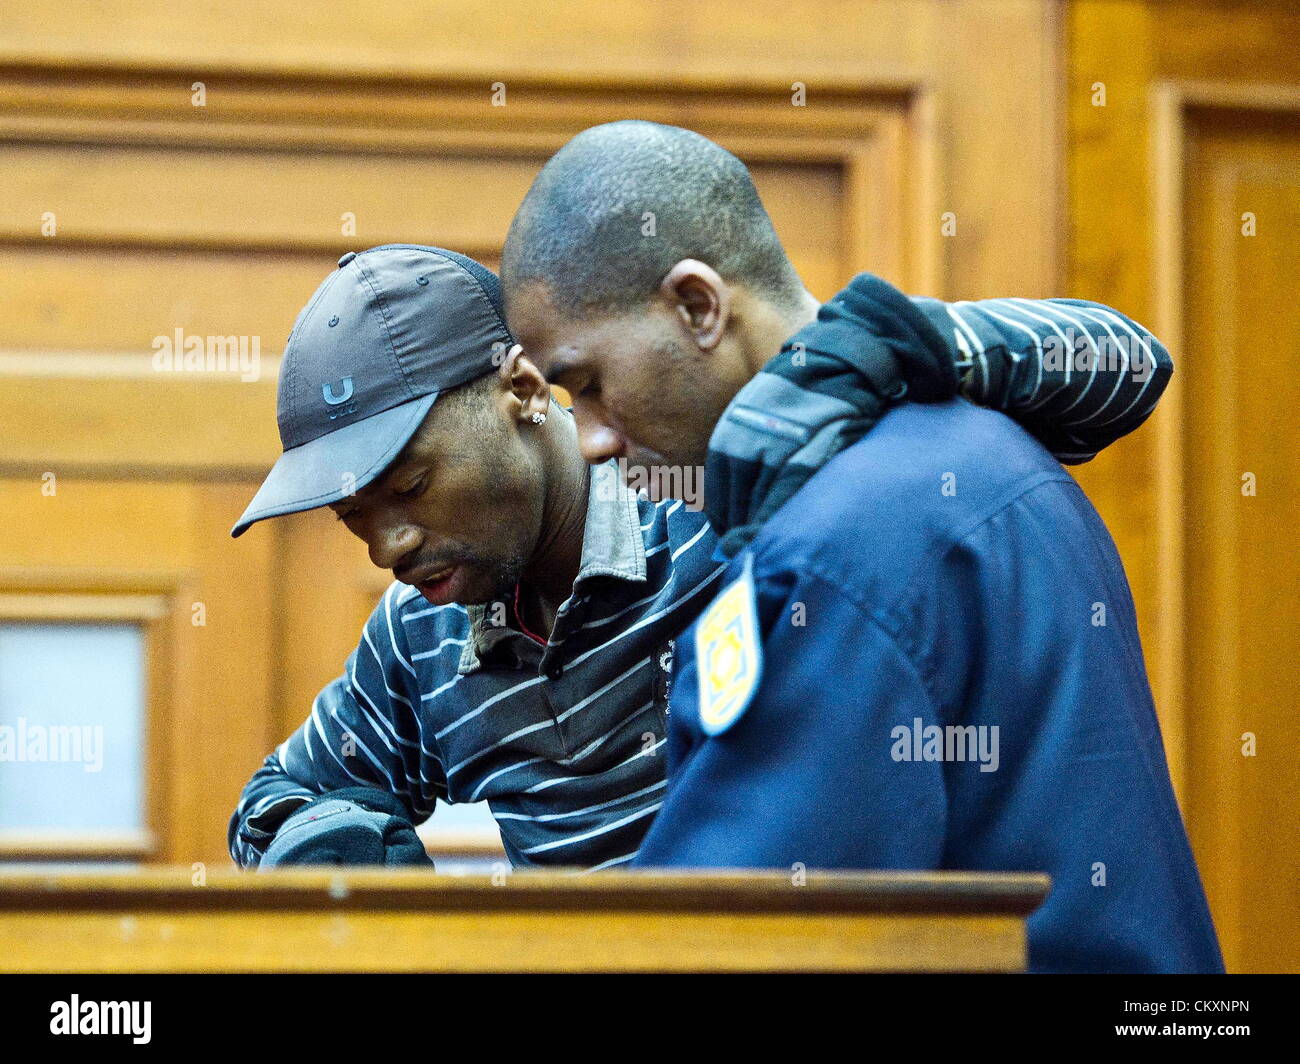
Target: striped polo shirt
(565,741)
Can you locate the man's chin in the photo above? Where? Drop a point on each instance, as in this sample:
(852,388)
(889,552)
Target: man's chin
(488,591)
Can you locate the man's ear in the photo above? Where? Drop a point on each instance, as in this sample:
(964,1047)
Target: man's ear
(701,300)
(528,390)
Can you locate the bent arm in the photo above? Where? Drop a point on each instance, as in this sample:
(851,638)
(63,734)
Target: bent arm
(360,733)
(1077,375)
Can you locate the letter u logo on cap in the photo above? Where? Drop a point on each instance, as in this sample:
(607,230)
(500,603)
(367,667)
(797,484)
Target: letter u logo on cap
(327,390)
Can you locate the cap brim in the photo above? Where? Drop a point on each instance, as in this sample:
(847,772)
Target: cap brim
(313,474)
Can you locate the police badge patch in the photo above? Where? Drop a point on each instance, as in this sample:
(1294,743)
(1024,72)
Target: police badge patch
(728,653)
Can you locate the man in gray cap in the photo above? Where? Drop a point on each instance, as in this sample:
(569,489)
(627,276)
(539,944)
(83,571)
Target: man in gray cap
(522,656)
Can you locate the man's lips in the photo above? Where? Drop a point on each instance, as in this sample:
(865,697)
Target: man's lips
(426,575)
(439,586)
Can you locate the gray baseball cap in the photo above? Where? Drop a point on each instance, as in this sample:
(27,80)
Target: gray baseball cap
(383,336)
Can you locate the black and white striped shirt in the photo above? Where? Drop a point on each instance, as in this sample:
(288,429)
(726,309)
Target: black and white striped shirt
(566,741)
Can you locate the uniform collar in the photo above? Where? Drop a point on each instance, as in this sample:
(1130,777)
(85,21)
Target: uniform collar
(612,545)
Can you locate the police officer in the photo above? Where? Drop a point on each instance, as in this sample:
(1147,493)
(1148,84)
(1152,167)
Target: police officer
(924,654)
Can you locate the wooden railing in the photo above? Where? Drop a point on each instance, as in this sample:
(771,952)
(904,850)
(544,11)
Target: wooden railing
(307,920)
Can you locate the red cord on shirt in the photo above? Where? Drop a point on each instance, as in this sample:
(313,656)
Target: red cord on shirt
(520,618)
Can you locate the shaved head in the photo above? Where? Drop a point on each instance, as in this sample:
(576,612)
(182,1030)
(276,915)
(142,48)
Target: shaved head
(619,205)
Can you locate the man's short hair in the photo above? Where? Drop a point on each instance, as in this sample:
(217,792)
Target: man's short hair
(619,205)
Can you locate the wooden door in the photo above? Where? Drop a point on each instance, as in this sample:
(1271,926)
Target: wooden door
(1241,406)
(1185,212)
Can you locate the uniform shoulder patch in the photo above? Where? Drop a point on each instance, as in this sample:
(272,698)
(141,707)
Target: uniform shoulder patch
(728,653)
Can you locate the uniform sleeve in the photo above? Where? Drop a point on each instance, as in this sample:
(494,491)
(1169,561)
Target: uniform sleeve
(755,795)
(1077,375)
(361,732)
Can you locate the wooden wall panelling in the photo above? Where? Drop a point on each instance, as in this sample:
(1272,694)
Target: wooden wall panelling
(209,688)
(914,108)
(987,71)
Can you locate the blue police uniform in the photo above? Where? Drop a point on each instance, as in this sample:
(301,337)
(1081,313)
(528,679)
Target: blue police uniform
(929,659)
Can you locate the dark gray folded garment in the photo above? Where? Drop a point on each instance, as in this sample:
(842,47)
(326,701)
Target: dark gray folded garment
(833,380)
(353,826)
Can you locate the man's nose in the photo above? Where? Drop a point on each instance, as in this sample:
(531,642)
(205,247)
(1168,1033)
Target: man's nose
(596,440)
(390,542)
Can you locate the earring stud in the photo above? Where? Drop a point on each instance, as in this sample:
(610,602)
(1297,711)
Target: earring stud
(538,417)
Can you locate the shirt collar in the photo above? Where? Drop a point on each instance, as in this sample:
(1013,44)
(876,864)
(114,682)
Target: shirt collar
(612,545)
